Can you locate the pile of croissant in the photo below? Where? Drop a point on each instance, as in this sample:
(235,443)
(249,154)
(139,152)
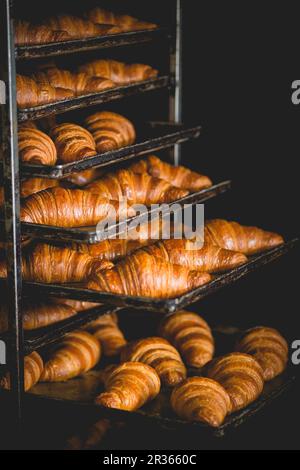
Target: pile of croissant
(219,386)
(141,266)
(49,83)
(63,27)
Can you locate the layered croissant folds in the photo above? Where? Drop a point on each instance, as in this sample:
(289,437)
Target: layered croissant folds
(201,399)
(124,22)
(52,264)
(129,386)
(33,367)
(268,347)
(63,207)
(191,335)
(240,375)
(159,354)
(177,175)
(140,274)
(108,333)
(78,352)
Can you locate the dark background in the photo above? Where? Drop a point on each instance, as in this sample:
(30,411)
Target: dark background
(239,62)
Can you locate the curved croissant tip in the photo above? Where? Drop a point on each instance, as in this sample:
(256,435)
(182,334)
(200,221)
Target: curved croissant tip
(109,400)
(239,258)
(198,278)
(197,359)
(172,378)
(275,239)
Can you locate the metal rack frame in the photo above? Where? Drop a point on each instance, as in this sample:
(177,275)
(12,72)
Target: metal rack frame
(9,152)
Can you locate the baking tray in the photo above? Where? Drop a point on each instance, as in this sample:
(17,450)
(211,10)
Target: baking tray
(91,235)
(156,136)
(160,305)
(36,339)
(89,44)
(92,99)
(81,391)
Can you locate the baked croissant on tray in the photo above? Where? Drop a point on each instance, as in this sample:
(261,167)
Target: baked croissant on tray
(33,368)
(268,347)
(129,386)
(124,22)
(108,333)
(142,275)
(159,354)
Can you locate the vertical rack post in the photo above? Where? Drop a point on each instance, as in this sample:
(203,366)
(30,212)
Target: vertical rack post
(10,158)
(175,105)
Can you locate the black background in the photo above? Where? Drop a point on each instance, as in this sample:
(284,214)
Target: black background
(239,62)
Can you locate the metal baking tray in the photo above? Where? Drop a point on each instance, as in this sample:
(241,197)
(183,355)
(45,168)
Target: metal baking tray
(91,235)
(92,99)
(156,136)
(160,305)
(36,339)
(80,392)
(88,44)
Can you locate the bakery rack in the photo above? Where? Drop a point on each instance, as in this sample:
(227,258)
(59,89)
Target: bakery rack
(154,137)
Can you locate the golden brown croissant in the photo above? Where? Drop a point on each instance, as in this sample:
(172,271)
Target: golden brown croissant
(33,367)
(108,333)
(38,315)
(53,264)
(73,142)
(77,353)
(268,347)
(129,386)
(125,22)
(70,208)
(159,354)
(27,33)
(78,305)
(35,185)
(79,28)
(236,237)
(201,399)
(110,249)
(140,274)
(36,147)
(78,83)
(119,72)
(135,188)
(191,335)
(82,178)
(110,130)
(177,175)
(30,93)
(185,252)
(241,376)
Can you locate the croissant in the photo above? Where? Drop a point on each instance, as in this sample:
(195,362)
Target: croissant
(73,142)
(135,188)
(27,33)
(159,354)
(52,264)
(177,175)
(78,83)
(62,207)
(119,72)
(77,353)
(33,367)
(268,347)
(185,252)
(39,315)
(35,185)
(82,178)
(125,22)
(108,333)
(191,335)
(36,147)
(78,305)
(142,275)
(27,125)
(30,93)
(79,28)
(201,399)
(241,376)
(236,237)
(110,131)
(129,386)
